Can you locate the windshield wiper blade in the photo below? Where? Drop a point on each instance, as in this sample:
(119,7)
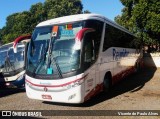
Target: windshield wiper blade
(41,59)
(51,45)
(8,64)
(57,66)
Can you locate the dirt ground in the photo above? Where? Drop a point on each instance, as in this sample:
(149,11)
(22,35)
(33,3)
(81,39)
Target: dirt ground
(140,91)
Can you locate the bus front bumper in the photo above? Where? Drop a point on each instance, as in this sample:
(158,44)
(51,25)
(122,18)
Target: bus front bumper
(66,94)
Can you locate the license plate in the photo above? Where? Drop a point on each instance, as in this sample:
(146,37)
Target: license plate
(48,97)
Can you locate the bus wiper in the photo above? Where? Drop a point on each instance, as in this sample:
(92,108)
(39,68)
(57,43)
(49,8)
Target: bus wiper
(51,45)
(8,64)
(53,59)
(41,59)
(55,63)
(57,66)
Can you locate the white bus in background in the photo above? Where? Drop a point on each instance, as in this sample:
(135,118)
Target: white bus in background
(12,63)
(70,59)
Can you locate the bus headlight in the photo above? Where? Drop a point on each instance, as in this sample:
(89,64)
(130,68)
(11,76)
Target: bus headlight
(21,77)
(20,81)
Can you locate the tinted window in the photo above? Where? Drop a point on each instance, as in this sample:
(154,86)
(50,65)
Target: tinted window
(117,38)
(89,50)
(98,27)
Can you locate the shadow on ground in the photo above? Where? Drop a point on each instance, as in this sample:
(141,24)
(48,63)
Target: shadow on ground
(132,83)
(9,91)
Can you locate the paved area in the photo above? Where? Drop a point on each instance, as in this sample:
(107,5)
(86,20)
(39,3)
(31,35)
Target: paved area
(139,91)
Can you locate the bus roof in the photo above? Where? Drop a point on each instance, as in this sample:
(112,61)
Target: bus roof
(7,45)
(71,18)
(10,45)
(80,17)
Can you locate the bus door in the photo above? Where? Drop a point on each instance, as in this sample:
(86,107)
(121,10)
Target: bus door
(95,41)
(89,61)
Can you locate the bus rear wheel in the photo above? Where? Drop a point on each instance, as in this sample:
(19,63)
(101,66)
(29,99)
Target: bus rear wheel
(137,67)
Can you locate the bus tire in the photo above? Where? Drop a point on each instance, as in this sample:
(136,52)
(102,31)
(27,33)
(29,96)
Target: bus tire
(137,67)
(107,83)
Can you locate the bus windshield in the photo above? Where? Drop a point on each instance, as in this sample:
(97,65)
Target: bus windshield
(3,53)
(11,61)
(54,53)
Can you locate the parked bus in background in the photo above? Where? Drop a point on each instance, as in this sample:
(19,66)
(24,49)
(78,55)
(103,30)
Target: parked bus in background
(70,59)
(12,63)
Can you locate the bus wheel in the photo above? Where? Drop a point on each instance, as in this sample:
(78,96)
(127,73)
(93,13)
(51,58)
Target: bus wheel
(137,67)
(107,83)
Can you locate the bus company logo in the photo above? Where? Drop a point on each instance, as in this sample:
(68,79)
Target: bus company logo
(45,89)
(119,54)
(90,82)
(45,83)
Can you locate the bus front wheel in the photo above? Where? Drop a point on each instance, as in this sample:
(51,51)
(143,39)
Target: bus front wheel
(107,83)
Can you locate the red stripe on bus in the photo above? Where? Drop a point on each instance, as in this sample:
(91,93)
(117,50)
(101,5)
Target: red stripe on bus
(93,92)
(122,75)
(38,85)
(115,79)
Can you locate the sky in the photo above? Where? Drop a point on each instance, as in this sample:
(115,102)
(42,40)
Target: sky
(107,8)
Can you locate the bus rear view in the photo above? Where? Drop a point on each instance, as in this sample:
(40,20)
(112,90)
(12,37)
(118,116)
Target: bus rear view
(64,59)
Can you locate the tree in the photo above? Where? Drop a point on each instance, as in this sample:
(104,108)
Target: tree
(0,36)
(38,14)
(23,23)
(86,12)
(142,18)
(59,8)
(17,24)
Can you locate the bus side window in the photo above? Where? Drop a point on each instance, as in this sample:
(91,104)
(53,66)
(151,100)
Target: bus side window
(98,27)
(115,37)
(108,42)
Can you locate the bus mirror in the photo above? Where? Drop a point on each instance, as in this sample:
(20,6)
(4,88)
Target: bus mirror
(15,48)
(79,37)
(82,32)
(17,40)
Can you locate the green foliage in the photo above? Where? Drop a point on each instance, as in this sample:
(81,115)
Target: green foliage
(86,12)
(38,14)
(0,36)
(17,24)
(23,23)
(58,8)
(141,17)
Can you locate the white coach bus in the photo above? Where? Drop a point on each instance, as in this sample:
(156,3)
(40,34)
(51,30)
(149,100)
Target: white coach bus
(70,59)
(12,63)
